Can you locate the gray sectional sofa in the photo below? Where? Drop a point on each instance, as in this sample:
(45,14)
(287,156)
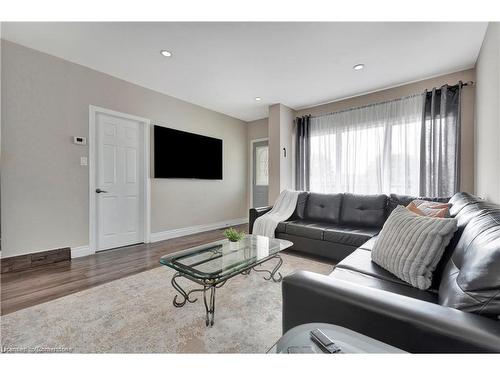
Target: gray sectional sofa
(334,225)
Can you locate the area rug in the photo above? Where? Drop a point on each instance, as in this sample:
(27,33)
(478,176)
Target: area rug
(135,315)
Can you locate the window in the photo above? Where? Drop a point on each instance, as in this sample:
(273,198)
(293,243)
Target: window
(261,166)
(369,150)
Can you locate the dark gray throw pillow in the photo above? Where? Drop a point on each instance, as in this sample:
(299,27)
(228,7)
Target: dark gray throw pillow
(410,246)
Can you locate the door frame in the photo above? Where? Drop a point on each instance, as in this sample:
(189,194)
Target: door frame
(251,165)
(146,183)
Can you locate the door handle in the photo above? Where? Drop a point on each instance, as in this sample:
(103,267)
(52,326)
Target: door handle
(100,191)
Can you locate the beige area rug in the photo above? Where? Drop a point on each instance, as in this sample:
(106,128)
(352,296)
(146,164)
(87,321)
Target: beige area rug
(135,315)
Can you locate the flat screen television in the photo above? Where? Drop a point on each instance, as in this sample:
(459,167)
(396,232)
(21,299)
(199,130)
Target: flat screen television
(179,154)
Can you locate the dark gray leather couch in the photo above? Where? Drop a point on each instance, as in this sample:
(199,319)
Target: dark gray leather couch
(335,225)
(458,314)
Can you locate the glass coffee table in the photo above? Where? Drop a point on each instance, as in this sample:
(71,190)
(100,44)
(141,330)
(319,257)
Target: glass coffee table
(211,265)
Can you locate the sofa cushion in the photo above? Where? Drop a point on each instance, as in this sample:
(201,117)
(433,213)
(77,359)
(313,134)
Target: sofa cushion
(461,200)
(324,249)
(368,245)
(323,207)
(467,212)
(471,278)
(349,235)
(299,212)
(465,215)
(410,246)
(393,286)
(361,261)
(305,228)
(363,210)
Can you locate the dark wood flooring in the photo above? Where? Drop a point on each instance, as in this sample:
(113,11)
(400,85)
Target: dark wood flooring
(44,283)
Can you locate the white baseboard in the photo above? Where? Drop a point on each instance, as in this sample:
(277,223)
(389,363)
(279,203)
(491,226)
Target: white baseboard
(80,251)
(168,234)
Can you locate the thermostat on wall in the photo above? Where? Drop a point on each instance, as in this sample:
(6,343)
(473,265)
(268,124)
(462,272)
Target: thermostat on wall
(79,140)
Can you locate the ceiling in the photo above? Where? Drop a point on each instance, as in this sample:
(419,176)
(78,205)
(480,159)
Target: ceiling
(224,66)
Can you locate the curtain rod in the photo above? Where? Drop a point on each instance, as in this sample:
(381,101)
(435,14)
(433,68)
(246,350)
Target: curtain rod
(468,83)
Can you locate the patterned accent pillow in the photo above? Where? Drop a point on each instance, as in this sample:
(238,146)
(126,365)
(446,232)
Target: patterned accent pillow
(410,246)
(427,208)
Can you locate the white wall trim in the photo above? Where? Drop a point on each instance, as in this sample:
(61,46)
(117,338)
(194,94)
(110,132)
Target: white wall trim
(93,111)
(252,141)
(174,233)
(80,251)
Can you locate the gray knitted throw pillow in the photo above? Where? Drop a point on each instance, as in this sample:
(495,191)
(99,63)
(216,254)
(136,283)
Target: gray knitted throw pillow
(410,246)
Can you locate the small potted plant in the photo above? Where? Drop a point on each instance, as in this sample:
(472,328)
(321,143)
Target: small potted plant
(233,236)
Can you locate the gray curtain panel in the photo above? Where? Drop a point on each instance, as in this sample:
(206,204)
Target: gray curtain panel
(302,154)
(440,142)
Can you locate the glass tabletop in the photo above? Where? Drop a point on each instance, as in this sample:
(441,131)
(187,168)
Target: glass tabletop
(222,259)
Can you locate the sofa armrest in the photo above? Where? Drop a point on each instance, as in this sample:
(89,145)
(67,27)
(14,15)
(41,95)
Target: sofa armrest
(254,213)
(407,323)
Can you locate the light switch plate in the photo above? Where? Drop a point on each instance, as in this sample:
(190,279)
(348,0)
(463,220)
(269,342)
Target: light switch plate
(80,141)
(83,161)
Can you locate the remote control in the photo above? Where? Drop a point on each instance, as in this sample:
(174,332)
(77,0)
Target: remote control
(324,342)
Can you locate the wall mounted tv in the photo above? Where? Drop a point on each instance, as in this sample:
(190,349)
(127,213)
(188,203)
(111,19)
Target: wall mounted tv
(179,154)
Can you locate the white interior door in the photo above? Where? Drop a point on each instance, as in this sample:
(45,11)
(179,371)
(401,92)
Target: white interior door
(119,188)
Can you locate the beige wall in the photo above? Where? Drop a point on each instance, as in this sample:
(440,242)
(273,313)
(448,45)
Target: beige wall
(255,130)
(280,125)
(274,152)
(287,116)
(488,116)
(45,200)
(467,166)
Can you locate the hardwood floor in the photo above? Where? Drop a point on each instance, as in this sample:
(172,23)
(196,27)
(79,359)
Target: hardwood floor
(44,283)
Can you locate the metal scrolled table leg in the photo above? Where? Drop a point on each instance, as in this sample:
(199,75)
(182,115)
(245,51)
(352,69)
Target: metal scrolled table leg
(209,304)
(274,272)
(182,292)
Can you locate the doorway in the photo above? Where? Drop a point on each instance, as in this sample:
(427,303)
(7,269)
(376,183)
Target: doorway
(260,173)
(118,179)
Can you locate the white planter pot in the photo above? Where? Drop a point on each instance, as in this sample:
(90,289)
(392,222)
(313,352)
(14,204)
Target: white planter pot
(234,245)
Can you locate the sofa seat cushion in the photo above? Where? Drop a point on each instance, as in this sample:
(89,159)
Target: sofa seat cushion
(363,210)
(306,228)
(368,245)
(349,235)
(361,261)
(323,207)
(393,286)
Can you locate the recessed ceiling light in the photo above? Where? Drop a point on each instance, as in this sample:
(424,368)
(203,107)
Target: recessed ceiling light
(258,98)
(358,66)
(166,53)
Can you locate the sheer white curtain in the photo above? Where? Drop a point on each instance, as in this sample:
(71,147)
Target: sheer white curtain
(368,150)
